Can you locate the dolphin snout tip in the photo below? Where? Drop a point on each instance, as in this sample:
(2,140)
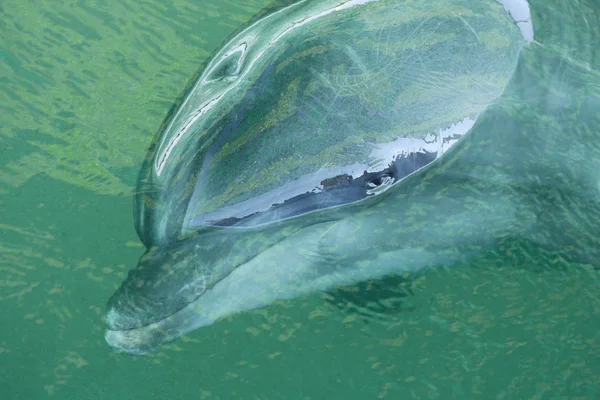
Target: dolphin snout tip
(113,319)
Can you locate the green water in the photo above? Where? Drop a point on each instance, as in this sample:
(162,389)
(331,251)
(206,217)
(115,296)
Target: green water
(84,87)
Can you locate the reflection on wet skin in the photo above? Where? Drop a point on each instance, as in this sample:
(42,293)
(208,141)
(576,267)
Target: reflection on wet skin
(340,189)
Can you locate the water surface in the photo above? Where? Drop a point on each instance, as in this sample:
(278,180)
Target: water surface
(84,88)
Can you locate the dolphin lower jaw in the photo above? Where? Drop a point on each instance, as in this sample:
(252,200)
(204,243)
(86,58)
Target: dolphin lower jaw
(239,289)
(143,339)
(296,266)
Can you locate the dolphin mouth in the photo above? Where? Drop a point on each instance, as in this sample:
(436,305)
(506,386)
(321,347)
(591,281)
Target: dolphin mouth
(119,342)
(146,338)
(129,340)
(125,314)
(130,331)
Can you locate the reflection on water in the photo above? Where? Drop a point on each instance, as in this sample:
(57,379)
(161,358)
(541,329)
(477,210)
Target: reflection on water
(87,85)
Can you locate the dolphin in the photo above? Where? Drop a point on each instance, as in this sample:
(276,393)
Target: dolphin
(323,145)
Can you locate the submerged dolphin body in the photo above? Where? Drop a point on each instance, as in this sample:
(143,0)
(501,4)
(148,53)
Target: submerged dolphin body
(302,159)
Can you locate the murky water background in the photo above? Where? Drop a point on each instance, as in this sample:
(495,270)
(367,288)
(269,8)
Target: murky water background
(85,85)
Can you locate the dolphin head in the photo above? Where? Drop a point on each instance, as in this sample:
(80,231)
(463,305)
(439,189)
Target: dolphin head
(275,171)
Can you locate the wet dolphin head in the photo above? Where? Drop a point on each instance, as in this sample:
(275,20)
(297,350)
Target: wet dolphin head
(303,124)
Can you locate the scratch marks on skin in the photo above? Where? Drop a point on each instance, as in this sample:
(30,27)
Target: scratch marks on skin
(379,37)
(356,58)
(469,26)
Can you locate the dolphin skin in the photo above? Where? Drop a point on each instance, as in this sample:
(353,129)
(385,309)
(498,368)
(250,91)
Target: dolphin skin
(322,145)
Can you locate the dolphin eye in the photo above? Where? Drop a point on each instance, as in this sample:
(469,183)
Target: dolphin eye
(230,65)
